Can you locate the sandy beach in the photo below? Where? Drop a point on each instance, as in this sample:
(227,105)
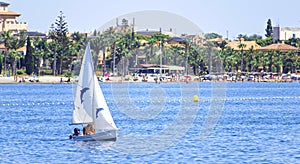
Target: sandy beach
(45,80)
(41,79)
(117,79)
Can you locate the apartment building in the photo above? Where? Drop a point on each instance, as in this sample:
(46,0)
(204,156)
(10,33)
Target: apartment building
(285,33)
(8,20)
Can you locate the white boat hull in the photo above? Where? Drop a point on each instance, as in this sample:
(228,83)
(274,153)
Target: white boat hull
(110,135)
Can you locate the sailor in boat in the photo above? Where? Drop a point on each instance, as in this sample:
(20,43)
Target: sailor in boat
(76,133)
(89,129)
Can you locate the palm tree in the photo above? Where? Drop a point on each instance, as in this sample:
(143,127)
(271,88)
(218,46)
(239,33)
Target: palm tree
(151,44)
(224,54)
(260,58)
(248,58)
(77,43)
(209,55)
(178,54)
(278,61)
(40,50)
(53,47)
(1,62)
(96,47)
(14,43)
(241,46)
(232,60)
(105,41)
(291,61)
(5,36)
(270,60)
(15,56)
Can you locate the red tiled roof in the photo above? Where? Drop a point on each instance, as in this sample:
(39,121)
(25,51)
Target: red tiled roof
(248,44)
(278,46)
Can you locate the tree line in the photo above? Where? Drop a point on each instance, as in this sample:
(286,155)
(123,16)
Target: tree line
(60,53)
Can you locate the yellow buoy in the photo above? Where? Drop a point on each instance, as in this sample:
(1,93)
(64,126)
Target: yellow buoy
(196,99)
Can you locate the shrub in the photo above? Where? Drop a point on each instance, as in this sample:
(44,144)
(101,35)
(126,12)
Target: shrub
(46,72)
(69,74)
(20,72)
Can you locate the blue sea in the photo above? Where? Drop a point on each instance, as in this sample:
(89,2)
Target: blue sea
(242,122)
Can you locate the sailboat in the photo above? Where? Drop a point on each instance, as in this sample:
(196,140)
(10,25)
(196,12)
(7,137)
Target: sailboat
(90,106)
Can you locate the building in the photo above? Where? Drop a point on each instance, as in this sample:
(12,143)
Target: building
(235,45)
(278,46)
(8,20)
(285,33)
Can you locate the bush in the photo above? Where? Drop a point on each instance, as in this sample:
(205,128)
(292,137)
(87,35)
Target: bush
(69,74)
(20,72)
(46,72)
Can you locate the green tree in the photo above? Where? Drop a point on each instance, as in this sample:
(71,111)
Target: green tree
(265,42)
(241,46)
(28,57)
(14,43)
(278,61)
(254,37)
(293,42)
(291,61)
(78,42)
(249,58)
(232,60)
(225,54)
(269,29)
(15,56)
(58,34)
(106,42)
(150,45)
(5,37)
(195,57)
(212,36)
(40,51)
(1,62)
(178,54)
(53,50)
(208,57)
(77,45)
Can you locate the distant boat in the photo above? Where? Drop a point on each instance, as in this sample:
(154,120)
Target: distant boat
(90,106)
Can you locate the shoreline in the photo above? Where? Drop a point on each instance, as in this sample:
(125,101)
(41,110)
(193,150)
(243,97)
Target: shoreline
(64,80)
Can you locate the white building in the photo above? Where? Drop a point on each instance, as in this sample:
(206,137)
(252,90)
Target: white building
(285,33)
(8,20)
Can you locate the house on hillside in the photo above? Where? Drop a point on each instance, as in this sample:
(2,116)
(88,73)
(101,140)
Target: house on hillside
(278,46)
(235,45)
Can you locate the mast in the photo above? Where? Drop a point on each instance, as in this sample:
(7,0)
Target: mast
(93,81)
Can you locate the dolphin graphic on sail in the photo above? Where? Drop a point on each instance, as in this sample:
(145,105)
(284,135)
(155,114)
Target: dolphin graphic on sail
(98,110)
(81,93)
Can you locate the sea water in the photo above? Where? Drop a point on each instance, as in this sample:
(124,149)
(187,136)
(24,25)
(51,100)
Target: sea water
(251,123)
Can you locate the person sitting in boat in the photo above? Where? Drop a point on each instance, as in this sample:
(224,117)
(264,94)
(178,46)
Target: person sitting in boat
(76,133)
(89,129)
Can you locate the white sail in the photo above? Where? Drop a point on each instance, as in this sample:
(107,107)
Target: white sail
(82,112)
(103,118)
(89,103)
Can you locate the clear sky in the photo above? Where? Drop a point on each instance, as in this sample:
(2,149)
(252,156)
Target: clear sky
(235,16)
